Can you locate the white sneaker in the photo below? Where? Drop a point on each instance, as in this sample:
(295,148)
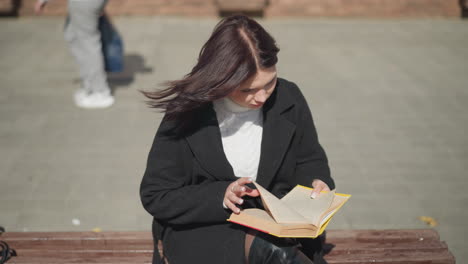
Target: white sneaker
(93,100)
(79,95)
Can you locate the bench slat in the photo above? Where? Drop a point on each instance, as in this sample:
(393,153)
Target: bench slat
(388,235)
(390,257)
(241,5)
(80,259)
(79,240)
(363,247)
(86,252)
(108,235)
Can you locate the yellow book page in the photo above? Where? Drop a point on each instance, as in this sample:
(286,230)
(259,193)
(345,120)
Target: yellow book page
(280,212)
(338,201)
(299,200)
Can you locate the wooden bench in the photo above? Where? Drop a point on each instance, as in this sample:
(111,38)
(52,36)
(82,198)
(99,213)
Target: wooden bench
(347,246)
(248,7)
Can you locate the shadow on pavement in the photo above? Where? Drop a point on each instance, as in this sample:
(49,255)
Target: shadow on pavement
(133,64)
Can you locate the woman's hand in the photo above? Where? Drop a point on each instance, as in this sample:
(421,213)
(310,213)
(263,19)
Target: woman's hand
(318,187)
(235,191)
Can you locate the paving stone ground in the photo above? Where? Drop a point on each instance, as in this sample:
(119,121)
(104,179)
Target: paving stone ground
(389,97)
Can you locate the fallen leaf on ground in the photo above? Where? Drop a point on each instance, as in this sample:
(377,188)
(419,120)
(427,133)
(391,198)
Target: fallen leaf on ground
(428,220)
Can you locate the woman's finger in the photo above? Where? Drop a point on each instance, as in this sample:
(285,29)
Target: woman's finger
(244,180)
(318,187)
(250,192)
(238,187)
(316,192)
(233,198)
(232,206)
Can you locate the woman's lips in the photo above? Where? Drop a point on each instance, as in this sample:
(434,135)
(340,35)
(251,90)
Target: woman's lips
(256,105)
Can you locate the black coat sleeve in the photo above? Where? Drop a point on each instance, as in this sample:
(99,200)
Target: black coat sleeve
(167,191)
(311,160)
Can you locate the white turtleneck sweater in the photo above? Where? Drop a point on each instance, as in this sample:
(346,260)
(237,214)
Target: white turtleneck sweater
(241,133)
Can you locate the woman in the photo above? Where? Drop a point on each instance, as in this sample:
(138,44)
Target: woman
(228,122)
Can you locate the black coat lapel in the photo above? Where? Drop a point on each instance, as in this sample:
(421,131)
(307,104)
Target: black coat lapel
(277,134)
(205,143)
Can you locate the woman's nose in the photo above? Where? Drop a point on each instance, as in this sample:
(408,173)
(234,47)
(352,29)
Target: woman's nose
(261,96)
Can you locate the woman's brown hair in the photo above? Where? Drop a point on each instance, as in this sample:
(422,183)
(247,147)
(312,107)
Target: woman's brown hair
(233,53)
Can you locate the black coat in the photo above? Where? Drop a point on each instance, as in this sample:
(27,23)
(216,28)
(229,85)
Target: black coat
(187,175)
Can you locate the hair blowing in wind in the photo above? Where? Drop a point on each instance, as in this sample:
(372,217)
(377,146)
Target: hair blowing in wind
(235,50)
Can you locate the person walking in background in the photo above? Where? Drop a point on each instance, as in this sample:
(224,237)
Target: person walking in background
(84,39)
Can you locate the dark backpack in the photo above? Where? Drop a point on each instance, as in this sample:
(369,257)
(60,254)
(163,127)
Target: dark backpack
(5,251)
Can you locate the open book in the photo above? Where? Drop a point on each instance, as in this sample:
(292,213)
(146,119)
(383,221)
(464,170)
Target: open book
(295,215)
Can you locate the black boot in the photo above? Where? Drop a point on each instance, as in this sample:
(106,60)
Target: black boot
(266,249)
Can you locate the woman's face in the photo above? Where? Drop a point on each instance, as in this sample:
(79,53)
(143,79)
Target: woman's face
(254,92)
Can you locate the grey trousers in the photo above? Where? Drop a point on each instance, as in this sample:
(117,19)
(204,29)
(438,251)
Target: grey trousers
(84,39)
